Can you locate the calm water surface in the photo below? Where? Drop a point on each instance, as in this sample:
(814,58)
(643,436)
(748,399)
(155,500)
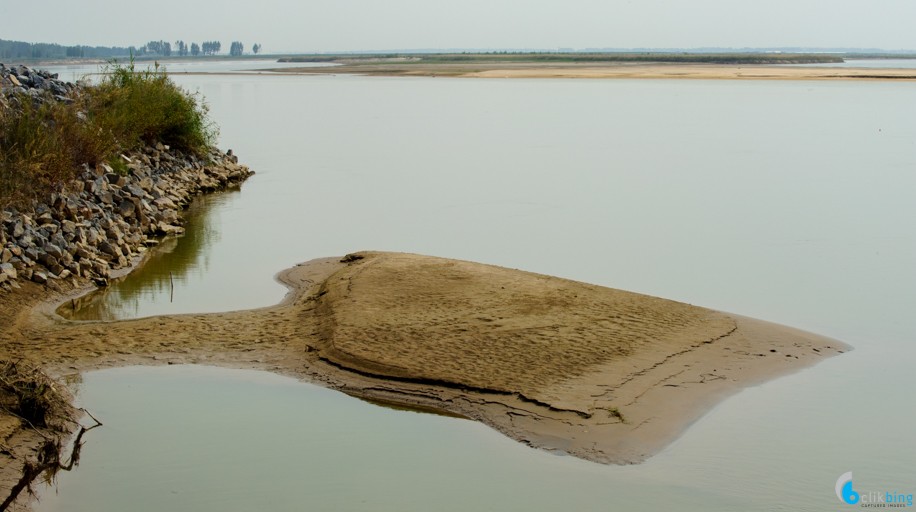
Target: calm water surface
(869,63)
(788,201)
(74,72)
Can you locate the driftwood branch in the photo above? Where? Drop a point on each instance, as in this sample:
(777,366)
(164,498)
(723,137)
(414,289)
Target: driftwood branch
(49,462)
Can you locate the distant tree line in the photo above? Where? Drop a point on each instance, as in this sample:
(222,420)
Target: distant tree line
(19,50)
(237,48)
(180,48)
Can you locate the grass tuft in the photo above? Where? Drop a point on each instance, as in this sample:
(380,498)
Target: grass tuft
(44,144)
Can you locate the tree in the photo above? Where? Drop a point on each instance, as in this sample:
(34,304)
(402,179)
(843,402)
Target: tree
(211,47)
(195,49)
(236,49)
(256,48)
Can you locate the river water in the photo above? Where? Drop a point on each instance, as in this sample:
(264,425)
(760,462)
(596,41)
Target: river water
(786,201)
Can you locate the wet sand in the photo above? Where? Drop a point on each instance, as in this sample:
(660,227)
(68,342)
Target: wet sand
(602,374)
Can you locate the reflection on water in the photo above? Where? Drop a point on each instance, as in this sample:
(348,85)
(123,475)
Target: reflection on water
(190,438)
(174,264)
(866,63)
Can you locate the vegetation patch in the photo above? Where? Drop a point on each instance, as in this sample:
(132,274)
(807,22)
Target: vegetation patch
(45,141)
(33,397)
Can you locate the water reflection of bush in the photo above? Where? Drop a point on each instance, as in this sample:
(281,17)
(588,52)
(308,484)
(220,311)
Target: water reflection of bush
(175,258)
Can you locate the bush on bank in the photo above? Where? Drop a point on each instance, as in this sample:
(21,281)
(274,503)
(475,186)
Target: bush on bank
(44,141)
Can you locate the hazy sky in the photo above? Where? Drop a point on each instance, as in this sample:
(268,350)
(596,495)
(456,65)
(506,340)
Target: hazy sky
(310,25)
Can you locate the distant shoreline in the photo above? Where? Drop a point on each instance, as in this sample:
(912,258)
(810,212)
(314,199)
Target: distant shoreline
(607,71)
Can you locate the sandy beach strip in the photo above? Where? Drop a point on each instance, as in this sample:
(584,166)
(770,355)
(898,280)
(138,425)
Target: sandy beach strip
(610,71)
(602,374)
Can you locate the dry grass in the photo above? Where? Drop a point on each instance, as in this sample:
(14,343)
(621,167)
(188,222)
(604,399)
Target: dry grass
(44,144)
(33,397)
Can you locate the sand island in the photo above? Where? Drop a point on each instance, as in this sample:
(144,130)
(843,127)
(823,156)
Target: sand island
(602,374)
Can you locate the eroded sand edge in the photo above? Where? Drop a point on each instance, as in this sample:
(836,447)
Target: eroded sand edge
(602,374)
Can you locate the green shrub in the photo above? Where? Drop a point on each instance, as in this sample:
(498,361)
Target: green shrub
(144,107)
(42,146)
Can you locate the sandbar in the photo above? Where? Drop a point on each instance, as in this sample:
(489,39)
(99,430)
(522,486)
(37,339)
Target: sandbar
(602,374)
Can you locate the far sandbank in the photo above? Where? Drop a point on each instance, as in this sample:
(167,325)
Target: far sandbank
(609,71)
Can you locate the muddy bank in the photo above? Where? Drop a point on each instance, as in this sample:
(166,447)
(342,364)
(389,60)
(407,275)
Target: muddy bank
(101,222)
(602,374)
(96,228)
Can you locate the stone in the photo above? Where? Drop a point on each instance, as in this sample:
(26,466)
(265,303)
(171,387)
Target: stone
(82,252)
(68,227)
(48,229)
(165,202)
(146,184)
(135,190)
(114,233)
(60,240)
(6,255)
(39,277)
(93,236)
(101,268)
(8,270)
(127,208)
(54,250)
(105,197)
(47,260)
(109,249)
(17,229)
(168,229)
(98,186)
(142,219)
(167,217)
